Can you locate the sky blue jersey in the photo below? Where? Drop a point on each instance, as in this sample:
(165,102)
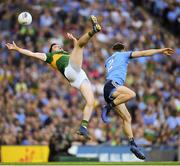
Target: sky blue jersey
(116,66)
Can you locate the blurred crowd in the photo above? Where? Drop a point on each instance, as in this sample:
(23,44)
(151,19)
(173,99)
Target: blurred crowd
(167,11)
(36,102)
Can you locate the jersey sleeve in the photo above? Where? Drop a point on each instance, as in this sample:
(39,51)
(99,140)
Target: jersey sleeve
(129,54)
(48,57)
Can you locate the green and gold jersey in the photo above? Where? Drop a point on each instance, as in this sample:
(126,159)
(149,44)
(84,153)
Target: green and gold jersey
(58,60)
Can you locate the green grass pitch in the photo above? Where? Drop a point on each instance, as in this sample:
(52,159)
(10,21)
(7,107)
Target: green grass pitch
(95,164)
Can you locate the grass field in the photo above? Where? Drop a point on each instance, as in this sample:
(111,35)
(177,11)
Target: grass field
(96,164)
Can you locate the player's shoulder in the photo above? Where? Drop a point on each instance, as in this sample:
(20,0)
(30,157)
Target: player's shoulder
(51,53)
(109,58)
(57,53)
(64,52)
(123,54)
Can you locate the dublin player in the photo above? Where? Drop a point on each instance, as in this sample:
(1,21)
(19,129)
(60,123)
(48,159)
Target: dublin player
(116,94)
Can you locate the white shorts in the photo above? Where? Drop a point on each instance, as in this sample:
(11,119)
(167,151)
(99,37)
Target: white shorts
(75,75)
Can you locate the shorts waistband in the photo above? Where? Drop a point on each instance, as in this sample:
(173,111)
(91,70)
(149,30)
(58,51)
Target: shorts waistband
(113,82)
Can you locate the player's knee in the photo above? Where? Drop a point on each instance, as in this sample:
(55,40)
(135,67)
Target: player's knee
(132,94)
(79,44)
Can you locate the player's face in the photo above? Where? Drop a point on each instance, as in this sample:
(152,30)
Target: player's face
(57,48)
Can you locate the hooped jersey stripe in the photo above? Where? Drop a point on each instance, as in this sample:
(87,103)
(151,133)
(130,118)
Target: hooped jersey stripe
(55,58)
(58,60)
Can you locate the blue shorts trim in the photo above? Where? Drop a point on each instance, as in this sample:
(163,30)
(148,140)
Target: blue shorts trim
(109,88)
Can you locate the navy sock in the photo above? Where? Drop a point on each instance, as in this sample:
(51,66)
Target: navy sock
(132,142)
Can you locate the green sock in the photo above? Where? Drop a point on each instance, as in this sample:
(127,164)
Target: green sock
(84,123)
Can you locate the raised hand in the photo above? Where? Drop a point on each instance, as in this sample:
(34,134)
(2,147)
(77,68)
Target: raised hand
(71,37)
(12,46)
(168,51)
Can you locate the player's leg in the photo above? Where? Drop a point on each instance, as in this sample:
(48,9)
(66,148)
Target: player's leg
(76,55)
(86,37)
(114,95)
(87,92)
(122,95)
(79,80)
(126,117)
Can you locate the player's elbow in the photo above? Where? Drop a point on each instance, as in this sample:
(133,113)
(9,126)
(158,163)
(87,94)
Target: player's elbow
(40,56)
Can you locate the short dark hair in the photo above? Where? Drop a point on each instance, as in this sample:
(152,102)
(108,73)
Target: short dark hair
(118,46)
(50,49)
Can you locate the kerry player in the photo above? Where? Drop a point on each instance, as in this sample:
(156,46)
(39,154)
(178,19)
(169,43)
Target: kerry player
(70,65)
(116,94)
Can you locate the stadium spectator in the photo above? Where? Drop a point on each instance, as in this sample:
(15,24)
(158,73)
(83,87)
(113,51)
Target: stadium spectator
(167,11)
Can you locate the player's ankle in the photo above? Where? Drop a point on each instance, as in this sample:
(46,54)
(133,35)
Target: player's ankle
(132,142)
(91,33)
(84,123)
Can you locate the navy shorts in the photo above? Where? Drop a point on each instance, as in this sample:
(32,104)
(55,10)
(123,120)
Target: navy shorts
(109,88)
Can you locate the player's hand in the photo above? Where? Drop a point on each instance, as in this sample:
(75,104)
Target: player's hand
(12,46)
(168,51)
(71,37)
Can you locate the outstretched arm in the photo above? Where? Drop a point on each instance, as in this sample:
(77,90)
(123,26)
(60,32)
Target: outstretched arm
(71,37)
(166,51)
(41,56)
